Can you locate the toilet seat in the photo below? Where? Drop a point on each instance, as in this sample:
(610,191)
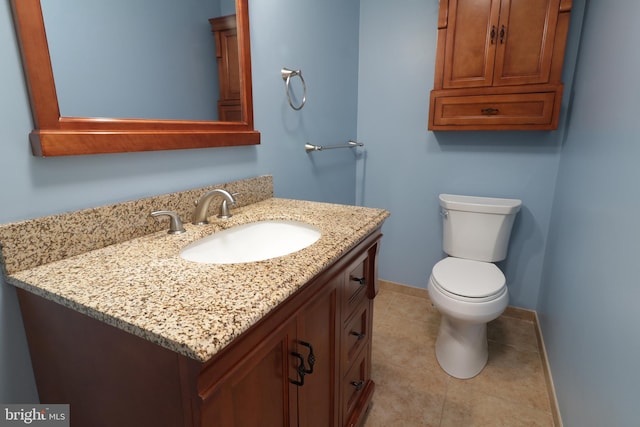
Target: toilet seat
(468,280)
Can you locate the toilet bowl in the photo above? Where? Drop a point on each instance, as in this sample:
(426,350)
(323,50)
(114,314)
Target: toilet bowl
(466,287)
(468,294)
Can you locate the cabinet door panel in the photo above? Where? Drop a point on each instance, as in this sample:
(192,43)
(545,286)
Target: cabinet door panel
(525,51)
(470,48)
(258,392)
(317,326)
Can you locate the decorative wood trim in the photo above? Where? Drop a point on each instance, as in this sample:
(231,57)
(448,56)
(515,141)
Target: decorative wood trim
(443,14)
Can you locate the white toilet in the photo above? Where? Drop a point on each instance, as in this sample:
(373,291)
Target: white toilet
(466,287)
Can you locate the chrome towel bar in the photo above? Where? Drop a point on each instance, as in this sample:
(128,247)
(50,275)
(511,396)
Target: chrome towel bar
(310,147)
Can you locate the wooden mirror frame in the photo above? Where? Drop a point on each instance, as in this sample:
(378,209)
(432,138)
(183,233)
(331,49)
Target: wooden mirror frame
(55,135)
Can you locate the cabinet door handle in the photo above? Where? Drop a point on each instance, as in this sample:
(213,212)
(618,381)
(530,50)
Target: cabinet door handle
(311,359)
(360,280)
(358,384)
(359,335)
(301,370)
(489,111)
(502,32)
(493,34)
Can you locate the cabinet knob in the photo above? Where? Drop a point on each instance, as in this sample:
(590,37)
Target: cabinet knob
(358,384)
(493,34)
(502,32)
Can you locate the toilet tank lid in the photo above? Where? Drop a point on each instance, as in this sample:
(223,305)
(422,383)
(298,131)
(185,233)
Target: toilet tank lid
(480,204)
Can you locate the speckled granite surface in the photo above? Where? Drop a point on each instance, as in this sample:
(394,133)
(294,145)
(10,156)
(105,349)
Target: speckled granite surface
(30,243)
(143,286)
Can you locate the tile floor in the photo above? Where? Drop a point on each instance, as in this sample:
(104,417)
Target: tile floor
(412,390)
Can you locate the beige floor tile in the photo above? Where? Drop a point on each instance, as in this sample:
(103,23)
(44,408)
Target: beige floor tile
(466,406)
(520,334)
(512,375)
(405,398)
(412,389)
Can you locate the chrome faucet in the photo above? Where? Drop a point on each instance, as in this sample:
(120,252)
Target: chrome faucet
(202,205)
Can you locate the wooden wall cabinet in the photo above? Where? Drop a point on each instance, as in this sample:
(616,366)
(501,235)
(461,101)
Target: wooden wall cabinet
(227,55)
(499,64)
(111,377)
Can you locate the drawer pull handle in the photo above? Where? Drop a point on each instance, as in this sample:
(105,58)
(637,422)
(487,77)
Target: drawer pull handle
(311,359)
(359,335)
(489,111)
(493,34)
(301,370)
(502,35)
(358,384)
(360,280)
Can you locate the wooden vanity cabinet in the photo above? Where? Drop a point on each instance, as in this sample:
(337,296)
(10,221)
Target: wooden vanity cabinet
(253,381)
(262,386)
(499,64)
(228,59)
(111,377)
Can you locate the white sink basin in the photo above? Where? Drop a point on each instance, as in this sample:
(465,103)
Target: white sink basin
(255,241)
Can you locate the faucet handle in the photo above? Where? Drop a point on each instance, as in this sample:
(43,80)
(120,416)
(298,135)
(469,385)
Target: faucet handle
(224,208)
(175,223)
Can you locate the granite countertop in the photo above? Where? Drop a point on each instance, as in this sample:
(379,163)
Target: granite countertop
(142,285)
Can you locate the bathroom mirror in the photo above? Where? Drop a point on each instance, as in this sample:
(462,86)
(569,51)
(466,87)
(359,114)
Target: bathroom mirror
(60,135)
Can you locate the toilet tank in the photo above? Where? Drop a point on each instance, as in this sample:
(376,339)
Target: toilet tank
(477,228)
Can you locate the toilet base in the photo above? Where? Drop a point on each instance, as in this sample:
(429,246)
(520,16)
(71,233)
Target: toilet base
(461,347)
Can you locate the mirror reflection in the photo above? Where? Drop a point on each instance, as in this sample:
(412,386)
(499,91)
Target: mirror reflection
(150,59)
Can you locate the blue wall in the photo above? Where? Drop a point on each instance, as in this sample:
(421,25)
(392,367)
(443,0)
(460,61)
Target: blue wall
(590,289)
(283,33)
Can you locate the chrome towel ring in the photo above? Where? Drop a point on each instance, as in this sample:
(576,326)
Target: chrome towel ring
(286,76)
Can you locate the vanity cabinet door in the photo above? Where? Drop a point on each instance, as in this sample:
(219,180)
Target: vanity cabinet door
(258,390)
(318,324)
(289,378)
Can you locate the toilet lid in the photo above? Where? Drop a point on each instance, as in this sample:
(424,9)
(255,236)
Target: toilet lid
(468,278)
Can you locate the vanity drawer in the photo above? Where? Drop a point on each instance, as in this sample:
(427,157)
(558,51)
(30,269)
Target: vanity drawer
(487,110)
(356,333)
(357,390)
(355,286)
